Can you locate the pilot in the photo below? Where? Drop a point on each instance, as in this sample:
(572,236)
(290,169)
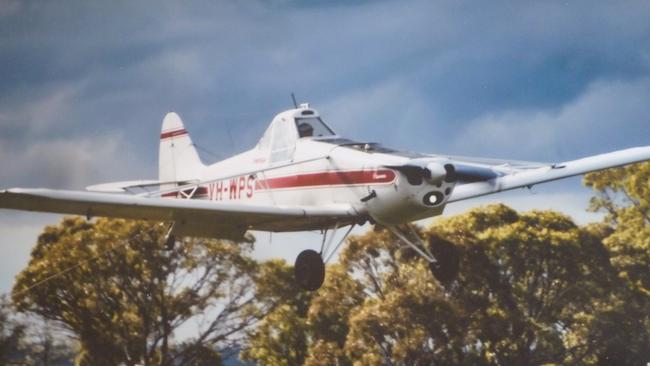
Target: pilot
(305,130)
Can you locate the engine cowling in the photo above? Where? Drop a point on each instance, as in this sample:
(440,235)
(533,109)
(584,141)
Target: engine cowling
(417,172)
(437,172)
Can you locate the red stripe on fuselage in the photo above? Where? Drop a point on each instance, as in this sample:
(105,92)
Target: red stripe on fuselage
(328,179)
(175,133)
(308,180)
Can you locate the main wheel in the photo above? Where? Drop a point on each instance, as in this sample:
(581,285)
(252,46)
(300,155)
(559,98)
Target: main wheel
(309,270)
(447,266)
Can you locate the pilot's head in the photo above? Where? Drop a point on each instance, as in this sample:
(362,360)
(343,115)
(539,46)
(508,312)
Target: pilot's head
(305,130)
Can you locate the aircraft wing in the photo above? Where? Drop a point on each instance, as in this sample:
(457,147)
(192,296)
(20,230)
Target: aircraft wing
(508,176)
(519,164)
(199,217)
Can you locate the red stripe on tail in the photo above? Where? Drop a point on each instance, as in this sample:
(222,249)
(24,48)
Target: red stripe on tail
(175,133)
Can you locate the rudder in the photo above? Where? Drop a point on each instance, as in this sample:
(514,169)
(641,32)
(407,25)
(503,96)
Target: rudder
(178,159)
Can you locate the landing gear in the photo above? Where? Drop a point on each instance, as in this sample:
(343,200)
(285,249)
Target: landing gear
(170,238)
(442,255)
(447,264)
(309,270)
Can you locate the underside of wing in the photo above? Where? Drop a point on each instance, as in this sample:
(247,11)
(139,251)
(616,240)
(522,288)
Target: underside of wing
(194,217)
(506,177)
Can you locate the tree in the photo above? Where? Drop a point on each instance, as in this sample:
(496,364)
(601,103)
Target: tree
(46,345)
(622,324)
(525,278)
(302,327)
(112,284)
(624,194)
(399,321)
(327,317)
(528,285)
(28,341)
(12,334)
(280,339)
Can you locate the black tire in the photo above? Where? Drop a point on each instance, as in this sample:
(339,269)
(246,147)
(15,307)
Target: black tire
(309,270)
(448,260)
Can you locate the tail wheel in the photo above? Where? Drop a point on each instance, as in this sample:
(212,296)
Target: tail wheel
(309,270)
(447,266)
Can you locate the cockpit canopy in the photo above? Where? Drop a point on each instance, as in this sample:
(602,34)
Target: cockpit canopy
(312,127)
(290,126)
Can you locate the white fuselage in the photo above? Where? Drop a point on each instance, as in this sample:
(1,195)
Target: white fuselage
(324,172)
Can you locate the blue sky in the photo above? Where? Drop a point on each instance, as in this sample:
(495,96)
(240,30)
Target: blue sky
(84,86)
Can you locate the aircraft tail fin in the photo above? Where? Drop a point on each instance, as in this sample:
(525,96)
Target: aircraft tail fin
(178,159)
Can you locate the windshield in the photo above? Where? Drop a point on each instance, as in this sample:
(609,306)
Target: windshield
(312,127)
(372,147)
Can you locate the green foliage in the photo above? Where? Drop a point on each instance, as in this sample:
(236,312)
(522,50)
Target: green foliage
(534,289)
(112,284)
(524,278)
(303,327)
(624,193)
(622,324)
(281,337)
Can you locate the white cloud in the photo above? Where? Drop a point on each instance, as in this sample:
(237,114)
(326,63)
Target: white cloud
(40,112)
(389,112)
(64,163)
(608,115)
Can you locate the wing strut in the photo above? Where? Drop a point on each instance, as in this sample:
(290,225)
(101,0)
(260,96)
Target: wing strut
(325,248)
(170,238)
(420,247)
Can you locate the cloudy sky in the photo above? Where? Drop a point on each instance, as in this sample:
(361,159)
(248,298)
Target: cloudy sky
(84,86)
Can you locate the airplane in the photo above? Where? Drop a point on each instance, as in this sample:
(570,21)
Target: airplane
(302,176)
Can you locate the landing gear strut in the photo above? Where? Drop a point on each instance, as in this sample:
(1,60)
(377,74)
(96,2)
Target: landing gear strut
(442,255)
(170,238)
